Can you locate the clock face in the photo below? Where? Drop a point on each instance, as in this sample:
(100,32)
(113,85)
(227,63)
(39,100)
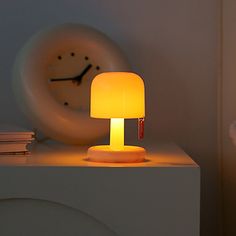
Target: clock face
(52,78)
(69,78)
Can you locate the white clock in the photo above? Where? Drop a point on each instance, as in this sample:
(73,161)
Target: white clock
(52,78)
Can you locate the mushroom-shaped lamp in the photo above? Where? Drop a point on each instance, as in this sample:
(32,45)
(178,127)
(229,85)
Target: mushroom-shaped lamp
(117,96)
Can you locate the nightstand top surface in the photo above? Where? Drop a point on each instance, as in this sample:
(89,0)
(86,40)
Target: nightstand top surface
(161,155)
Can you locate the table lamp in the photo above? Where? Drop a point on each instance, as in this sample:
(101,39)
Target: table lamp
(117,96)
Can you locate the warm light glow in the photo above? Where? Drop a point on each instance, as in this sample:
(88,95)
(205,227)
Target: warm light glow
(117,95)
(117,134)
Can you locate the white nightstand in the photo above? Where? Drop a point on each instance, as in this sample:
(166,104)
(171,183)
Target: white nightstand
(56,192)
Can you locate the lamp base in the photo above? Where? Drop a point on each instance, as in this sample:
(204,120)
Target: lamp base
(103,153)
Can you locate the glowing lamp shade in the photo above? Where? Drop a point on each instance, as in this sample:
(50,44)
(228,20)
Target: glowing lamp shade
(117,96)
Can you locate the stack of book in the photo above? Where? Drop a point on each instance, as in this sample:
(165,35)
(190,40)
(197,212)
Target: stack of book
(15,142)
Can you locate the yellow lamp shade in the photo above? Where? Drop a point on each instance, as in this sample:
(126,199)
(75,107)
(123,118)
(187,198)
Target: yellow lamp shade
(117,95)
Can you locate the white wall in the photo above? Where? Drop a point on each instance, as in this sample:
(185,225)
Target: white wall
(172,44)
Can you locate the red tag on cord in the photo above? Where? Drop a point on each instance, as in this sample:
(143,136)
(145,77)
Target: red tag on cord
(140,128)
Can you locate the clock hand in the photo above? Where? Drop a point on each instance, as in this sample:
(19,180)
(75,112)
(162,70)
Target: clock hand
(62,79)
(77,78)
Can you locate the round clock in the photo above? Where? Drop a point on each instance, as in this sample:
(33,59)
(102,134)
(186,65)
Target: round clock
(52,78)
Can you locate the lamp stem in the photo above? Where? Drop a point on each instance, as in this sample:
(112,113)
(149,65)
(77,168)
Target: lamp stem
(117,134)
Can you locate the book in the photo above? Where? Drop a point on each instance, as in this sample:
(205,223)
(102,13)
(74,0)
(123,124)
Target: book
(14,140)
(13,133)
(8,137)
(13,147)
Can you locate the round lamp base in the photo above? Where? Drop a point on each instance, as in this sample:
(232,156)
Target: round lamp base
(103,153)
